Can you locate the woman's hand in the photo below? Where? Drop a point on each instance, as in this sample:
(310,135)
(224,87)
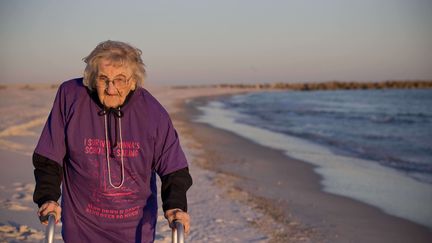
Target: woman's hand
(48,208)
(177,214)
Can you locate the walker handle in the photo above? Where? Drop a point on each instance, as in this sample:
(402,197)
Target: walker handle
(50,230)
(178,232)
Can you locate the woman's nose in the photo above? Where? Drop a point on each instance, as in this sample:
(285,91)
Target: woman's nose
(111,89)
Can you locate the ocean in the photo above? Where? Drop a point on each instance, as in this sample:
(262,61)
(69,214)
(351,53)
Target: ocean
(374,146)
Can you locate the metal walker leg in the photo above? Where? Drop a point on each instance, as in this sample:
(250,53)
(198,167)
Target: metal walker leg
(178,233)
(49,234)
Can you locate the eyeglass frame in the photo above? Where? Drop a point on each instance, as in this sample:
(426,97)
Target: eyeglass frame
(107,81)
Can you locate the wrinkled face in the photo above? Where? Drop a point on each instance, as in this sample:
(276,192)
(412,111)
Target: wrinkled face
(113,83)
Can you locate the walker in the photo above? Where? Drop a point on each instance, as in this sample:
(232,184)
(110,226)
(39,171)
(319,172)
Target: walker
(177,232)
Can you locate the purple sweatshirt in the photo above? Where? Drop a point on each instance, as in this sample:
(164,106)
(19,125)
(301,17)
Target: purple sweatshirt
(77,137)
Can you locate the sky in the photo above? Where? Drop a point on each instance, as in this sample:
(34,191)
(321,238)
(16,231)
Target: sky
(233,41)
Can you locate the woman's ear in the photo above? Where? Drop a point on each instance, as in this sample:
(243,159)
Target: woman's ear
(134,85)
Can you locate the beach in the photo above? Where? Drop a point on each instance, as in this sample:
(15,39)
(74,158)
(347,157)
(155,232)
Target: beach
(242,192)
(290,191)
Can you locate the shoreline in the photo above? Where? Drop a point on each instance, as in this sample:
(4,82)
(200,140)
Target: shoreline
(358,177)
(334,219)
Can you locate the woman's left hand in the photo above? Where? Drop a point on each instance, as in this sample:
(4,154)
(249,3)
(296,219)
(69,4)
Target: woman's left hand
(177,214)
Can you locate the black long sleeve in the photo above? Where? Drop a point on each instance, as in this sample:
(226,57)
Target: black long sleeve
(174,187)
(48,175)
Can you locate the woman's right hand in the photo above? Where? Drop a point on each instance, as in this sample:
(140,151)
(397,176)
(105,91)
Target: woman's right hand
(48,208)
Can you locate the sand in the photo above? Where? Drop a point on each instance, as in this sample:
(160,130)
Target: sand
(242,192)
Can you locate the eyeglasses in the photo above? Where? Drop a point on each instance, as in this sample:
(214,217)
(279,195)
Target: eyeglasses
(118,82)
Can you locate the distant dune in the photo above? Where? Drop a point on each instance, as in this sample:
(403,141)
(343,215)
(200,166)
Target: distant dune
(329,85)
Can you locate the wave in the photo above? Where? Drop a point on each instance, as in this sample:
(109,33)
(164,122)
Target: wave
(399,118)
(352,148)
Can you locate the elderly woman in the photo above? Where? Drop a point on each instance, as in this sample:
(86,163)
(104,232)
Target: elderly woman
(105,139)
